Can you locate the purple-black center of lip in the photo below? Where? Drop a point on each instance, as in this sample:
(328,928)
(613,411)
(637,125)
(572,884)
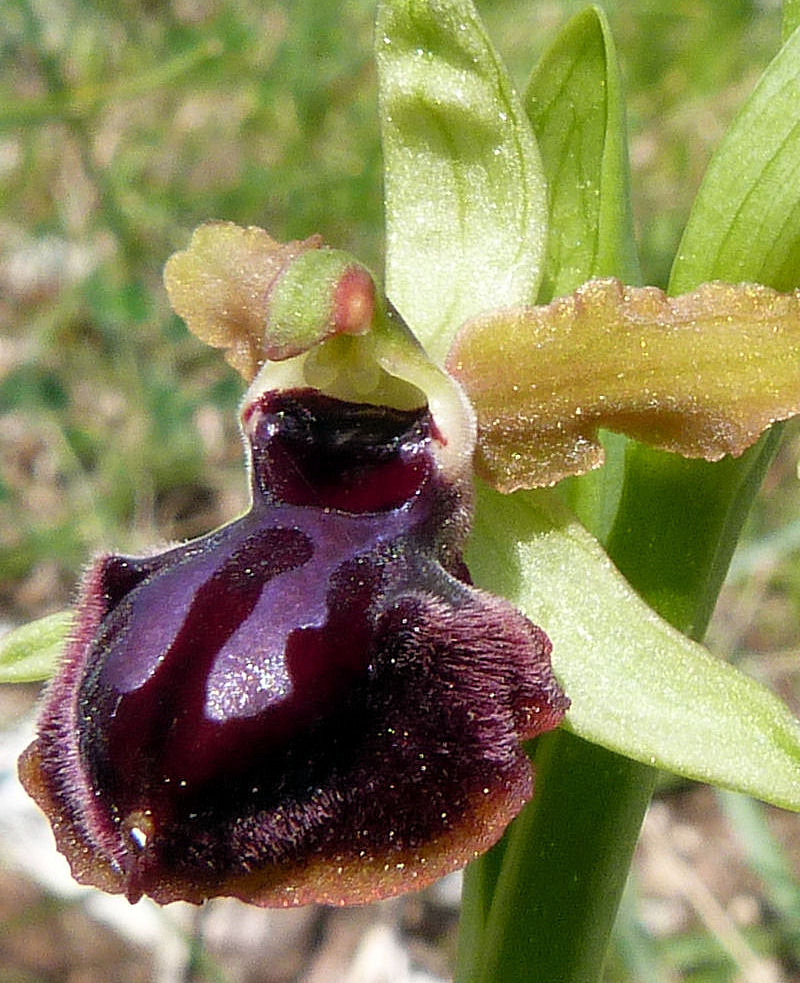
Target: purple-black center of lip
(310,449)
(216,655)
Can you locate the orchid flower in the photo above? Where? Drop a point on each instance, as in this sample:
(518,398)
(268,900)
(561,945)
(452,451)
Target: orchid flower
(315,702)
(311,703)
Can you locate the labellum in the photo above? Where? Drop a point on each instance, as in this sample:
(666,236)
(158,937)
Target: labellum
(312,703)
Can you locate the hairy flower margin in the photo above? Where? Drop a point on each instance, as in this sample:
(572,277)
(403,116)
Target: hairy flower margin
(312,703)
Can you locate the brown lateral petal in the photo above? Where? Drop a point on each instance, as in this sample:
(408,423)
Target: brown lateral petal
(221,286)
(702,375)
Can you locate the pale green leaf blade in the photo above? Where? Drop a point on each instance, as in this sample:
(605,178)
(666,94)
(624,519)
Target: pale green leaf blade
(31,653)
(637,685)
(745,222)
(466,204)
(791,18)
(575,105)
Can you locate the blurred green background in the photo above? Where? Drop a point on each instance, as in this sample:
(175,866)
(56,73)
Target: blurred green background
(125,124)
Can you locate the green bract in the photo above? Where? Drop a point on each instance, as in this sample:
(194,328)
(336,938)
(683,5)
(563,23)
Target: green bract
(32,652)
(586,162)
(637,685)
(465,193)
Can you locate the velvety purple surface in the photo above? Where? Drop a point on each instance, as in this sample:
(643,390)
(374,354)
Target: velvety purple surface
(311,680)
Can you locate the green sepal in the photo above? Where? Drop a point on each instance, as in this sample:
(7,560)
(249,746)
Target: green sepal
(638,686)
(466,205)
(575,104)
(32,652)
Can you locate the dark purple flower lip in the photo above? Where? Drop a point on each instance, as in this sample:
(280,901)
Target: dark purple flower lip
(362,459)
(313,702)
(309,704)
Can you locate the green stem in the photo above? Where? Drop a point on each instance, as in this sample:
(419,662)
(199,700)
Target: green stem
(678,523)
(552,905)
(477,893)
(566,864)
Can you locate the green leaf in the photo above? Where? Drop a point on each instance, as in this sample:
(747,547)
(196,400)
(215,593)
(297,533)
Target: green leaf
(791,17)
(31,653)
(678,521)
(745,222)
(637,685)
(466,206)
(575,105)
